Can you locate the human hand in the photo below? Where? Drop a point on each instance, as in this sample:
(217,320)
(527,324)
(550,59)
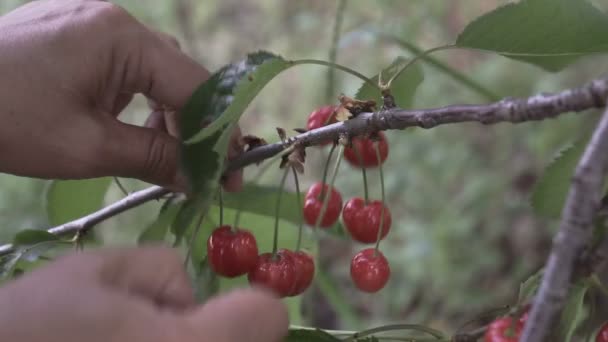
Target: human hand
(130,295)
(68,69)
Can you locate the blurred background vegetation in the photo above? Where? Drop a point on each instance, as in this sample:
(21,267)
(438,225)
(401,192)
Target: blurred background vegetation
(463,234)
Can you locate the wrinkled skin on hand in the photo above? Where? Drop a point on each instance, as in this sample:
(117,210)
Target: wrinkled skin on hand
(68,70)
(131,295)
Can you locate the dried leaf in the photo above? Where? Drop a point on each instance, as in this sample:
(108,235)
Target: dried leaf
(356,107)
(300,130)
(343,114)
(295,159)
(282,133)
(252,142)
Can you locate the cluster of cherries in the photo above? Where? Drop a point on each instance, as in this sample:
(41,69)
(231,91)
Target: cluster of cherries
(509,329)
(233,251)
(369,268)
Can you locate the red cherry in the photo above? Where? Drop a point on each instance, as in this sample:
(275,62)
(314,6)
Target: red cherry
(305,270)
(363,220)
(503,330)
(369,270)
(232,253)
(313,203)
(321,117)
(277,273)
(602,335)
(367,150)
(524,317)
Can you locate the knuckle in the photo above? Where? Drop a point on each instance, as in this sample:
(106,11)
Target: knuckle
(160,162)
(110,13)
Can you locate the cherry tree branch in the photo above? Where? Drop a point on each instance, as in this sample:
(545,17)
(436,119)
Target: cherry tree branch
(535,108)
(576,228)
(133,200)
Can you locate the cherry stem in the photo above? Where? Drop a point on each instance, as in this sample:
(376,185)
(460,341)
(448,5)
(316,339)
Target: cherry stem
(299,205)
(595,280)
(195,233)
(337,66)
(416,59)
(326,170)
(378,238)
(330,186)
(220,199)
(435,333)
(363,172)
(261,172)
(121,187)
(275,241)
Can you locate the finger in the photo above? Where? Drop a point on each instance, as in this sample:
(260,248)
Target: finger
(165,74)
(233,181)
(153,273)
(121,102)
(156,120)
(144,153)
(236,317)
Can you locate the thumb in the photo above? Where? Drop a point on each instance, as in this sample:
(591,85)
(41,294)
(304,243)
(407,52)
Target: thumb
(165,74)
(243,315)
(144,153)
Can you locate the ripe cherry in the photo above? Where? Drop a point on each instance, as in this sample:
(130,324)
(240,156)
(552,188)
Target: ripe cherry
(602,335)
(503,330)
(305,270)
(367,150)
(313,203)
(369,270)
(363,220)
(232,253)
(275,272)
(321,117)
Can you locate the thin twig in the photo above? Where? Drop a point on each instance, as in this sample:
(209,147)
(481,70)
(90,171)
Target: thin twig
(333,51)
(575,232)
(86,222)
(535,108)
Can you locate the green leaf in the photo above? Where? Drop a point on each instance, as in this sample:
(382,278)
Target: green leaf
(157,230)
(550,192)
(403,87)
(187,216)
(25,257)
(69,200)
(221,100)
(528,288)
(259,68)
(573,311)
(206,282)
(306,335)
(548,33)
(32,237)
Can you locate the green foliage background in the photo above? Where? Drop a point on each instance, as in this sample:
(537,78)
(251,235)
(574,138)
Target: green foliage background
(463,235)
